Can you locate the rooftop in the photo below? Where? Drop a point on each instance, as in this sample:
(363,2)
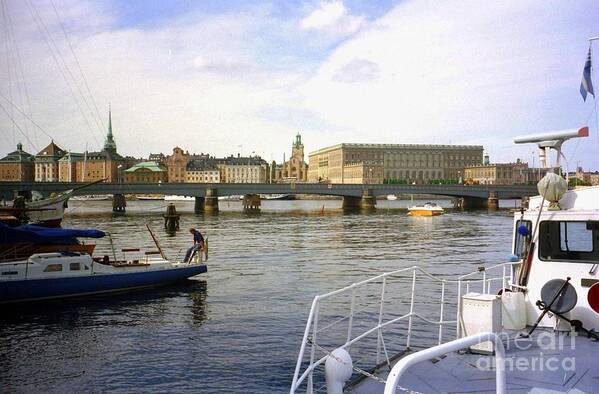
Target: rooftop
(148,165)
(396,146)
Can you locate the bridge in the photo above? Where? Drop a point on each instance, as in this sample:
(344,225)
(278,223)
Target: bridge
(361,196)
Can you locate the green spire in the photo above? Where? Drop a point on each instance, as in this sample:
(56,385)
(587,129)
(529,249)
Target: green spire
(298,140)
(110,144)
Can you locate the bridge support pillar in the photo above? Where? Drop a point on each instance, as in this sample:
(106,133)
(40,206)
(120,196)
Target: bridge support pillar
(211,200)
(118,203)
(493,201)
(474,203)
(198,206)
(251,202)
(366,202)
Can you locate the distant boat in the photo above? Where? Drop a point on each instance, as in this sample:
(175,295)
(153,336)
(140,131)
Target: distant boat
(391,197)
(428,209)
(277,196)
(93,197)
(173,197)
(150,197)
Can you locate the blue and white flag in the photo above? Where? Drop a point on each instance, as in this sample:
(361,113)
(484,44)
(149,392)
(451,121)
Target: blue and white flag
(586,86)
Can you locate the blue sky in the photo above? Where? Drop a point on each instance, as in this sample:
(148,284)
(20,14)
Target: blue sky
(245,76)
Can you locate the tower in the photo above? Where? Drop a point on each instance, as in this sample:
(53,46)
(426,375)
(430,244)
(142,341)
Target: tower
(109,143)
(297,150)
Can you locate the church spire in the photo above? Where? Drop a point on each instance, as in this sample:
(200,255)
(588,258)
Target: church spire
(110,144)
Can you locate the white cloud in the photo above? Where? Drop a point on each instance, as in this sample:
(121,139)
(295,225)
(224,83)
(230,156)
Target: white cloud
(459,71)
(332,17)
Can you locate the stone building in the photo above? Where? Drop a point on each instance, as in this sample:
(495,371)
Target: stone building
(106,164)
(398,162)
(202,171)
(67,167)
(236,169)
(158,158)
(146,172)
(46,163)
(294,169)
(177,165)
(17,166)
(517,173)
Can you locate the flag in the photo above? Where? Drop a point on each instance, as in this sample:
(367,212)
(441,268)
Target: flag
(586,86)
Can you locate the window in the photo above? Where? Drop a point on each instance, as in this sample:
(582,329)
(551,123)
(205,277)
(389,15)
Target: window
(74,266)
(576,241)
(521,241)
(53,268)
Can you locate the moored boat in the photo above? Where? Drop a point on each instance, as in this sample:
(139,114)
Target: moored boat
(427,209)
(38,263)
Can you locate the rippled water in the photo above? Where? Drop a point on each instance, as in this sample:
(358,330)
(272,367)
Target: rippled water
(237,328)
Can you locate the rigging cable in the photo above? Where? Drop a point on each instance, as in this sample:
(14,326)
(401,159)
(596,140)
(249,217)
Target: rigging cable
(19,69)
(99,116)
(17,126)
(27,117)
(54,51)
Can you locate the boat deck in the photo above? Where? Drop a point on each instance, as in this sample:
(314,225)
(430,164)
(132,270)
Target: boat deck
(545,363)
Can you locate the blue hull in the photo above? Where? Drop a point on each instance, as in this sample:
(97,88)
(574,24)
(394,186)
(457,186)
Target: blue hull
(40,289)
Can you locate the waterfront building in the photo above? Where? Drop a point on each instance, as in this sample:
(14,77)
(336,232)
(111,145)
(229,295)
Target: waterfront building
(237,169)
(177,165)
(202,171)
(46,163)
(296,168)
(409,163)
(17,166)
(497,173)
(104,165)
(157,158)
(67,167)
(146,172)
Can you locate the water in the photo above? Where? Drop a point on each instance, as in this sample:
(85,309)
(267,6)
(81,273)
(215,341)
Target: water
(237,328)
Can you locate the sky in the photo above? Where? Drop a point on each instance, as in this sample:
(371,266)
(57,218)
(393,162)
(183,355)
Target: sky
(227,77)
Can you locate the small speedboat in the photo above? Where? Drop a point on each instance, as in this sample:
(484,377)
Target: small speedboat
(428,209)
(38,263)
(391,197)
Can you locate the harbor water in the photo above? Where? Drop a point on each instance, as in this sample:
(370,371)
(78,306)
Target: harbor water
(237,328)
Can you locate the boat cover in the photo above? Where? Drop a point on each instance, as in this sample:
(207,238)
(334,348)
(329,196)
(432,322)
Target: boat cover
(43,235)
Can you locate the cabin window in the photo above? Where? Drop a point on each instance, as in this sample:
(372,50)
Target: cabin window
(576,241)
(75,267)
(53,268)
(520,241)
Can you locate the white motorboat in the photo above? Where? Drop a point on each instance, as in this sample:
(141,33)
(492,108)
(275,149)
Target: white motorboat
(427,209)
(526,325)
(178,198)
(391,197)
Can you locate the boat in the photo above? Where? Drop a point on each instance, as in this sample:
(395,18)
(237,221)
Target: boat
(427,209)
(528,324)
(38,263)
(391,197)
(277,197)
(150,197)
(92,197)
(173,197)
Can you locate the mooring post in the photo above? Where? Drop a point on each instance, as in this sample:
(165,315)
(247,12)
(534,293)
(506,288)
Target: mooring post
(251,202)
(118,203)
(171,218)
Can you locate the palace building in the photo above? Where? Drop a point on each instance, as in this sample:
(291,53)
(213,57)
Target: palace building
(379,163)
(46,163)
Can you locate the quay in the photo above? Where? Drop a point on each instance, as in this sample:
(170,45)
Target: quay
(355,196)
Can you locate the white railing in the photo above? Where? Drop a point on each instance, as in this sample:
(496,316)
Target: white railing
(481,280)
(402,365)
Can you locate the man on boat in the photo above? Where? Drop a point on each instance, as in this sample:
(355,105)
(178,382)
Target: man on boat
(198,244)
